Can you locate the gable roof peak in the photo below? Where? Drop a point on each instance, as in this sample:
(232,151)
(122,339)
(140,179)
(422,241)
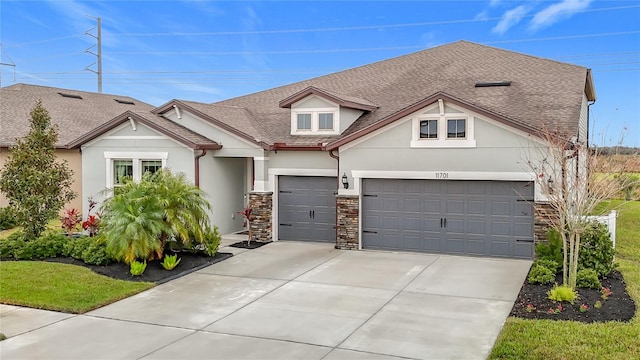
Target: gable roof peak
(342,100)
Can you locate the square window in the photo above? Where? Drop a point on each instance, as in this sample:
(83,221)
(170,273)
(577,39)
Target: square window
(304,121)
(122,169)
(151,166)
(325,121)
(456,129)
(429,129)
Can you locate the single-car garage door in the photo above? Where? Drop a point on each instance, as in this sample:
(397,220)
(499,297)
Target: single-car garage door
(485,218)
(307,208)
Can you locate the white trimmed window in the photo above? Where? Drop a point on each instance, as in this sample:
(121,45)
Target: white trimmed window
(314,122)
(121,165)
(441,126)
(304,122)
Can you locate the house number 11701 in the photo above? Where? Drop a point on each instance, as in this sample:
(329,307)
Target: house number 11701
(442,175)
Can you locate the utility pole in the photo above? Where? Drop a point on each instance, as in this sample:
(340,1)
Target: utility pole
(98,55)
(12,64)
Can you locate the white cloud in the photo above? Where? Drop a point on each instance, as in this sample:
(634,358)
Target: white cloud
(509,19)
(556,12)
(494,2)
(483,15)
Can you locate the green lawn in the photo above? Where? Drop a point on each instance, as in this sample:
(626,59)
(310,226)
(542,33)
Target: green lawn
(61,287)
(548,339)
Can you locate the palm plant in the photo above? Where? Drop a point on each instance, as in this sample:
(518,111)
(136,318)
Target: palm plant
(140,218)
(185,207)
(132,223)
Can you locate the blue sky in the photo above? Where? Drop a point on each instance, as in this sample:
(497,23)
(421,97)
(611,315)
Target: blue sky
(209,51)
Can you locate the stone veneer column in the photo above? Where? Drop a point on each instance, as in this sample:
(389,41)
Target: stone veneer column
(347,225)
(261,204)
(544,213)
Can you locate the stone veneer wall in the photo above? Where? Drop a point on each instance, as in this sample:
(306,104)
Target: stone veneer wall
(261,204)
(542,220)
(347,225)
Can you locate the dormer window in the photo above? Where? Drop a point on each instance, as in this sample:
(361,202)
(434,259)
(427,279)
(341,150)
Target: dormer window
(325,121)
(304,121)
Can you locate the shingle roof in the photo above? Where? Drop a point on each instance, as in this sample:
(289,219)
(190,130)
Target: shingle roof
(543,94)
(74,117)
(160,124)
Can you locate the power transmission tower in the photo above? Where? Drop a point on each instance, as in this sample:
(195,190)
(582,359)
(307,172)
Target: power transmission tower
(12,64)
(97,54)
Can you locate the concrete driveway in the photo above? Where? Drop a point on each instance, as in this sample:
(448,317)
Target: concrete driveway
(292,300)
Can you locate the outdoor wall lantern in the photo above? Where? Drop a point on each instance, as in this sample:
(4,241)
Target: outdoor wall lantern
(345,181)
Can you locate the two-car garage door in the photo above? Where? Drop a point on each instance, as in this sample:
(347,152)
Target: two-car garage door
(484,218)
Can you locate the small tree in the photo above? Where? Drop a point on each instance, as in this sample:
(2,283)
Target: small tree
(574,179)
(36,185)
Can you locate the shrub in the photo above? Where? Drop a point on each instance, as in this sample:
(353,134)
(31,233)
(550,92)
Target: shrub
(10,244)
(76,246)
(552,248)
(96,253)
(170,261)
(541,275)
(562,293)
(596,250)
(549,264)
(7,218)
(137,268)
(90,250)
(49,245)
(588,278)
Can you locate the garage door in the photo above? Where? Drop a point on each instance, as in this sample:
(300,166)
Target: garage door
(485,218)
(307,208)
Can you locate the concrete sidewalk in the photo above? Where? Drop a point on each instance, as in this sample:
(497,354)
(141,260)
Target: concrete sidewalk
(291,300)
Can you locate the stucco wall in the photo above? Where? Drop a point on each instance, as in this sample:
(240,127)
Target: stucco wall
(232,146)
(301,160)
(223,179)
(94,164)
(500,153)
(74,159)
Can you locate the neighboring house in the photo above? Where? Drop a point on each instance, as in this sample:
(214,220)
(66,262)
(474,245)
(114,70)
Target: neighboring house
(74,112)
(423,152)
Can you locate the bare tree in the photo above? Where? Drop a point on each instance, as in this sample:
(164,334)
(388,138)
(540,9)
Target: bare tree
(573,180)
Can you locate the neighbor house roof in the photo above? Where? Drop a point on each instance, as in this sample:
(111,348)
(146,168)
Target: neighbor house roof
(542,94)
(75,112)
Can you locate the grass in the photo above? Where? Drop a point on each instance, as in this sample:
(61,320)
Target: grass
(548,339)
(61,287)
(54,224)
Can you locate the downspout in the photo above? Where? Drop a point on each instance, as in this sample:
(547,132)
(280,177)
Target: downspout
(197,164)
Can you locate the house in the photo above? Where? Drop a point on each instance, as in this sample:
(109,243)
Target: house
(74,112)
(423,152)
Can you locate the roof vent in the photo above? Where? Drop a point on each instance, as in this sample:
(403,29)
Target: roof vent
(493,83)
(128,102)
(72,96)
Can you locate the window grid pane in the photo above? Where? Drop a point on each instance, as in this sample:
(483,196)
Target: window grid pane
(122,169)
(325,121)
(304,121)
(151,166)
(429,129)
(456,128)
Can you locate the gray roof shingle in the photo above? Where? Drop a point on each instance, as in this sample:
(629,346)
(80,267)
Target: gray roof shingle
(74,117)
(543,94)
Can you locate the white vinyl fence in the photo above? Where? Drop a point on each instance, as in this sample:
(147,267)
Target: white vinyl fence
(610,222)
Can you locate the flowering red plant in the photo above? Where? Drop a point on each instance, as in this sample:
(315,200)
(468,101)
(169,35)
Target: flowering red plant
(246,212)
(93,221)
(70,220)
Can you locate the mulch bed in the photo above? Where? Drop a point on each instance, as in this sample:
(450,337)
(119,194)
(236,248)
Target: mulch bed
(619,306)
(246,245)
(154,272)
